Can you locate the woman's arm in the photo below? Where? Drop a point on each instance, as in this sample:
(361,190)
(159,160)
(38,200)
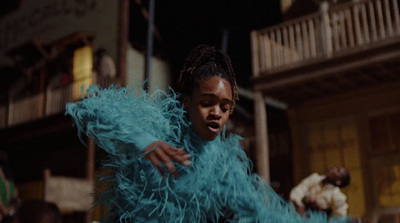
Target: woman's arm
(161,152)
(131,122)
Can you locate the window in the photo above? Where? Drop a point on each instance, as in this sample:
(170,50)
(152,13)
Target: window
(388,179)
(385,132)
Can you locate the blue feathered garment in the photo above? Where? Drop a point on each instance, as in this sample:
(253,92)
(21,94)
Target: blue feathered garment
(218,184)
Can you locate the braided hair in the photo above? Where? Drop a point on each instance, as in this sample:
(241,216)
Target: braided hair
(203,63)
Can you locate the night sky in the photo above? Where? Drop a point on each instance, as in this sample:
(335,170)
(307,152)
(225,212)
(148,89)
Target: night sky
(183,24)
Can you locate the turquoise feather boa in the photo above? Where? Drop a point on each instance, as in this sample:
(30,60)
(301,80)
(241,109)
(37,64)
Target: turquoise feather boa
(218,184)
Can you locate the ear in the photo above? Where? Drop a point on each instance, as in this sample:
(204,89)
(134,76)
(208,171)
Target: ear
(338,182)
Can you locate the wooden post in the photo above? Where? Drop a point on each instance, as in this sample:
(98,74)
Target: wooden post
(149,48)
(373,21)
(313,47)
(10,112)
(255,53)
(90,171)
(327,28)
(46,173)
(262,151)
(90,168)
(123,39)
(380,19)
(262,146)
(299,41)
(395,9)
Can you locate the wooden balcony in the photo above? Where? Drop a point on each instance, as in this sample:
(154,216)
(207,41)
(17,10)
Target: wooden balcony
(345,48)
(46,103)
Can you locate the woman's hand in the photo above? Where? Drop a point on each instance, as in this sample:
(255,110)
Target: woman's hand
(300,210)
(312,204)
(161,152)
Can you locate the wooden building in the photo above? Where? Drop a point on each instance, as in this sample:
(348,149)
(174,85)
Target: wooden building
(338,72)
(45,60)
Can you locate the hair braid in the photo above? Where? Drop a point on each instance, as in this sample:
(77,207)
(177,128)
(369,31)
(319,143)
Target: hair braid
(204,62)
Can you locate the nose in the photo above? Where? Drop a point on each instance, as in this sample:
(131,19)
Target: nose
(216,112)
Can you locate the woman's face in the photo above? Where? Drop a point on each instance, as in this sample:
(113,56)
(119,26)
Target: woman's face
(209,107)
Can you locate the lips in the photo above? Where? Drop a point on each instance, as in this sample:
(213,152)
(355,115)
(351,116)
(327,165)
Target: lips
(213,127)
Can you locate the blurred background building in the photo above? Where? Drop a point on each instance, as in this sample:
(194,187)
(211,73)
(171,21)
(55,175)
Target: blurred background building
(337,70)
(318,87)
(48,50)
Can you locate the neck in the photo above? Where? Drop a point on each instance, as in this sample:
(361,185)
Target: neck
(327,181)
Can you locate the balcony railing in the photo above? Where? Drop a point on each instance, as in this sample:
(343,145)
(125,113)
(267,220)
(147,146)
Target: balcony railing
(45,103)
(329,33)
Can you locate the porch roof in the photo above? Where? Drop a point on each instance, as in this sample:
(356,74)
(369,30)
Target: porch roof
(375,66)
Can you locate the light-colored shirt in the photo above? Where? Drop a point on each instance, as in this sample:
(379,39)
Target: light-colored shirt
(106,67)
(327,196)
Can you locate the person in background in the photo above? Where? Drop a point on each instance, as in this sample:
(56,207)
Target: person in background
(322,193)
(104,65)
(35,211)
(8,193)
(61,70)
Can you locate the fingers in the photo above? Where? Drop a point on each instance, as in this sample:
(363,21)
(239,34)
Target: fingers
(156,163)
(167,161)
(178,155)
(161,152)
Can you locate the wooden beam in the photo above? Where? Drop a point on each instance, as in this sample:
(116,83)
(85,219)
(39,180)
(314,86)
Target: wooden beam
(36,129)
(321,69)
(343,80)
(388,71)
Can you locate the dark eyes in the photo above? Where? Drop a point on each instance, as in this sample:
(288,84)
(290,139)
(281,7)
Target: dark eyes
(205,104)
(224,107)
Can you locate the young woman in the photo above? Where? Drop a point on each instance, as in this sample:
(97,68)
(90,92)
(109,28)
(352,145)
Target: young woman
(171,159)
